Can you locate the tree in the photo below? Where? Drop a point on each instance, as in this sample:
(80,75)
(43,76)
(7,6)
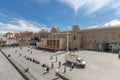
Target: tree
(8,35)
(16,35)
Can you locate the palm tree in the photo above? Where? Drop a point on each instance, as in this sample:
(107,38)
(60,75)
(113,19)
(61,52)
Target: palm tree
(16,35)
(8,35)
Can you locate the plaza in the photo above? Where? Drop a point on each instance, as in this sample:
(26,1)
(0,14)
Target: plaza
(99,65)
(60,40)
(7,71)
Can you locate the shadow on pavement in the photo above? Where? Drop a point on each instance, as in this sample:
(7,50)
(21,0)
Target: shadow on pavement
(45,73)
(55,78)
(67,64)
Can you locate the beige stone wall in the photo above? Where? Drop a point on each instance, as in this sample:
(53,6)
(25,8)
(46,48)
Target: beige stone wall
(94,38)
(53,43)
(75,41)
(43,43)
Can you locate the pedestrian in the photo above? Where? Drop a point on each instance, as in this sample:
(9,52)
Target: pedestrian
(56,58)
(64,69)
(34,60)
(9,55)
(44,65)
(59,64)
(26,70)
(20,54)
(57,72)
(15,51)
(119,55)
(72,65)
(51,57)
(52,65)
(28,50)
(21,48)
(47,69)
(31,52)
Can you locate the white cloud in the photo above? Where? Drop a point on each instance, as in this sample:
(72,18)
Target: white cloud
(74,4)
(20,25)
(92,6)
(92,27)
(95,5)
(112,23)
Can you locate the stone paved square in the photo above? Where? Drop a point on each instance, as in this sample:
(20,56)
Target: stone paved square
(99,65)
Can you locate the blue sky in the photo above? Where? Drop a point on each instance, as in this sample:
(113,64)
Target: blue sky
(34,15)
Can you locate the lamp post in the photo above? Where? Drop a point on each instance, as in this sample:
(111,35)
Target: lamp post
(67,38)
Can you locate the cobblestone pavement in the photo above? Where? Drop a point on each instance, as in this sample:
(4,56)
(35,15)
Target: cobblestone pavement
(7,71)
(99,65)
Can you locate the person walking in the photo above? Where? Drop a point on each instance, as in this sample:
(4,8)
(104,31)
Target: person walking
(56,58)
(47,69)
(8,55)
(20,54)
(119,55)
(72,65)
(52,65)
(57,72)
(15,51)
(51,57)
(28,50)
(64,70)
(26,70)
(59,64)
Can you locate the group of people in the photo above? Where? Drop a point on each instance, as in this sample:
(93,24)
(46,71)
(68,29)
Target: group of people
(52,66)
(57,71)
(29,51)
(44,65)
(32,60)
(59,63)
(47,67)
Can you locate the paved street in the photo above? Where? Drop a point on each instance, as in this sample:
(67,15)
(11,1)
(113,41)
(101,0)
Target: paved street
(99,65)
(7,71)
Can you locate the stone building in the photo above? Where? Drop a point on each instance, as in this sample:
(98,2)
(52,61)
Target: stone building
(57,40)
(99,39)
(26,38)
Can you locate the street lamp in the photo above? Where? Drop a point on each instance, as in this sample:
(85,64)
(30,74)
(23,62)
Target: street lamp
(68,38)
